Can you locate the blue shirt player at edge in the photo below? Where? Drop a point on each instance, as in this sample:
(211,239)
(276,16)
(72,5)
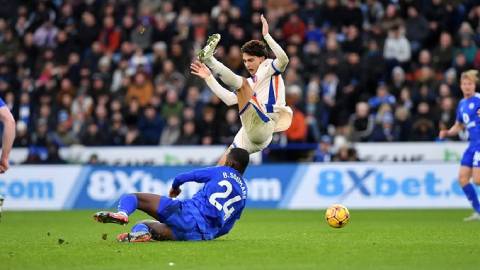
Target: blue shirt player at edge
(468,117)
(209,214)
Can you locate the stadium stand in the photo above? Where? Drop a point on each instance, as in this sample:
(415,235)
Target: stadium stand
(96,73)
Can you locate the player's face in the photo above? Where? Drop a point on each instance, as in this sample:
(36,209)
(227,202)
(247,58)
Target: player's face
(467,86)
(252,62)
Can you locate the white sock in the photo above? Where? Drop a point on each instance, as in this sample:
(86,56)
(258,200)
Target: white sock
(122,213)
(225,74)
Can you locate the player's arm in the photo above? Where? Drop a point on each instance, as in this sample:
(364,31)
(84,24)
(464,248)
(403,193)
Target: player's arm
(453,131)
(202,71)
(199,176)
(281,62)
(7,138)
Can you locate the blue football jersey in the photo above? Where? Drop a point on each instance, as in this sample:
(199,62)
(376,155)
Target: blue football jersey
(2,103)
(467,115)
(221,200)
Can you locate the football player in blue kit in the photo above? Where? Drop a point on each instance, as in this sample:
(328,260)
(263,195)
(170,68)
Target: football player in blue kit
(468,117)
(8,135)
(211,212)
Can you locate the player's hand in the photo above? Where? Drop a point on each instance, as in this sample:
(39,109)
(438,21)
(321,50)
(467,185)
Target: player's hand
(478,112)
(174,192)
(200,69)
(4,165)
(264,25)
(443,134)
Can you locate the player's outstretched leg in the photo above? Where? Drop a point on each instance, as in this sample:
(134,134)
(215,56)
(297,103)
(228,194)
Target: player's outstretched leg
(225,74)
(127,204)
(469,190)
(209,49)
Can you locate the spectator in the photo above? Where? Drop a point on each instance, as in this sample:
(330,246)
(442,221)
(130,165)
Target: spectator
(443,53)
(109,37)
(324,152)
(402,124)
(172,106)
(294,28)
(92,136)
(189,136)
(417,28)
(151,125)
(361,123)
(53,155)
(345,153)
(423,128)
(382,97)
(171,132)
(298,129)
(229,127)
(45,36)
(141,89)
(383,128)
(21,137)
(397,48)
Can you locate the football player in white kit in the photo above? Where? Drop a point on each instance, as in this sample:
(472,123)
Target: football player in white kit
(260,98)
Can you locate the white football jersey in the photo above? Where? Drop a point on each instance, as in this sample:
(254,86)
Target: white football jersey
(269,94)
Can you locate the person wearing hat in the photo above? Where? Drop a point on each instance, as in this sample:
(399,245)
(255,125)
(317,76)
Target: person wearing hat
(323,153)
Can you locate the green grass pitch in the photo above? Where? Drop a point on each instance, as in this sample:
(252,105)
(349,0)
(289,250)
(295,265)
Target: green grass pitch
(262,239)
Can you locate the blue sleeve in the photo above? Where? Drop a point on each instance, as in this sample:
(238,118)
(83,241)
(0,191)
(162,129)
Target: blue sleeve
(459,115)
(2,103)
(199,176)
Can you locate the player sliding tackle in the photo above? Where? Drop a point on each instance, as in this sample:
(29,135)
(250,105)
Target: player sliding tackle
(260,98)
(211,212)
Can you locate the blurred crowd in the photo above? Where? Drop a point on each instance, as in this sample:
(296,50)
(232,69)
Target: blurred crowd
(116,72)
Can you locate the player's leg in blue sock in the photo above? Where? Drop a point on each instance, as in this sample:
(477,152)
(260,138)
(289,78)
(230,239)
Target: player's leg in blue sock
(158,230)
(127,204)
(139,227)
(471,193)
(466,172)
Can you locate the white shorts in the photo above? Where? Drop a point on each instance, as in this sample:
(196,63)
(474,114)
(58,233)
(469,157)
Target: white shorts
(256,132)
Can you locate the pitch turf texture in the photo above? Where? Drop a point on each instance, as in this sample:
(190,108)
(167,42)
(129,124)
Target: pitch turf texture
(262,239)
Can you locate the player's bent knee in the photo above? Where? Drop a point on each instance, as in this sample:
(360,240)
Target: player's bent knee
(160,231)
(463,180)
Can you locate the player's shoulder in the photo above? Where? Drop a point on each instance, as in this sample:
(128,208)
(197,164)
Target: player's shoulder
(477,97)
(267,63)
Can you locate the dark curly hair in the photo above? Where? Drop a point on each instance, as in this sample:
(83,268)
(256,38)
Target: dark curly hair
(255,48)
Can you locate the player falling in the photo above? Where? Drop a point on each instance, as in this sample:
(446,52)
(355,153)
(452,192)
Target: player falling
(211,212)
(260,98)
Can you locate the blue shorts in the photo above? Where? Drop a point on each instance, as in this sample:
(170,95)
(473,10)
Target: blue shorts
(180,218)
(471,156)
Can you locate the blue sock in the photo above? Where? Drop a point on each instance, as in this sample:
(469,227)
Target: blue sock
(140,228)
(471,194)
(127,204)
